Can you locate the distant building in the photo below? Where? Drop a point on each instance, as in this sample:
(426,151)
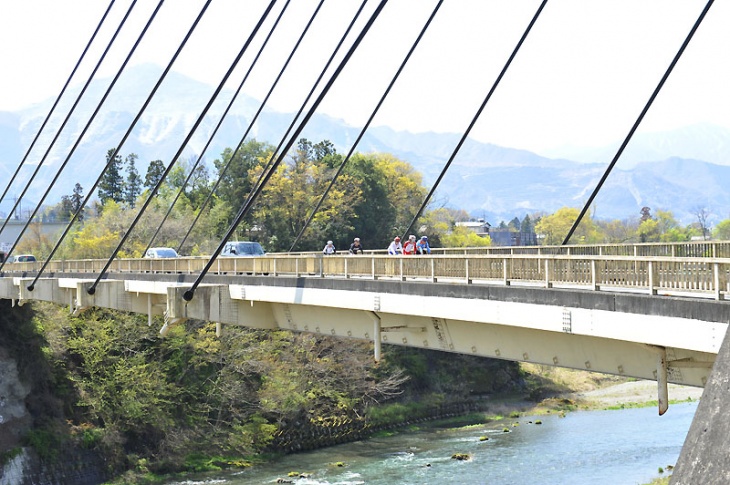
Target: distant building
(479,226)
(505,237)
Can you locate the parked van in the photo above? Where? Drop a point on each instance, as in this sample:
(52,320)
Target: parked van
(242,248)
(160,253)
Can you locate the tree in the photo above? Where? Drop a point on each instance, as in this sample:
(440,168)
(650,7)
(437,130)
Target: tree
(526,224)
(235,184)
(555,227)
(514,224)
(291,194)
(77,199)
(132,187)
(722,230)
(702,214)
(645,213)
(111,186)
(463,237)
(154,173)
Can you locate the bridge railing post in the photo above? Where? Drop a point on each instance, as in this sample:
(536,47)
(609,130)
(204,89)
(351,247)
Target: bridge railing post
(466,270)
(719,280)
(506,271)
(653,278)
(594,275)
(549,268)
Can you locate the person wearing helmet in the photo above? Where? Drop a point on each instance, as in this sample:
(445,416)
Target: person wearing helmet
(329,249)
(395,246)
(410,246)
(422,246)
(356,247)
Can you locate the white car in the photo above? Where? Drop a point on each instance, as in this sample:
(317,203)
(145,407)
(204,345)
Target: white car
(160,253)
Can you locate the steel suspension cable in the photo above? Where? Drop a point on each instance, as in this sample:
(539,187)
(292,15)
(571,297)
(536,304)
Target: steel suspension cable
(188,295)
(88,124)
(269,163)
(90,193)
(92,289)
(367,124)
(215,130)
(271,90)
(55,103)
(68,116)
(638,121)
(283,139)
(476,116)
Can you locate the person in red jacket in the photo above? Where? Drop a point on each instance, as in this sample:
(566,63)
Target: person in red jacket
(410,246)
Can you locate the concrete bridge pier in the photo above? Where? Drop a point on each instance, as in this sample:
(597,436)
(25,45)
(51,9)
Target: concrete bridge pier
(705,456)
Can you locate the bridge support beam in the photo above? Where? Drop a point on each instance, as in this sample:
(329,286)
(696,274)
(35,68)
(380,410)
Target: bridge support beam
(661,380)
(376,336)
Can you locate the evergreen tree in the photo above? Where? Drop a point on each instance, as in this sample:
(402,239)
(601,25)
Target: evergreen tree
(154,173)
(77,198)
(133,185)
(526,225)
(514,224)
(111,186)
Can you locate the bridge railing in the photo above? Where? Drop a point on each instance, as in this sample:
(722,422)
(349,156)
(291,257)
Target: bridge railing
(706,277)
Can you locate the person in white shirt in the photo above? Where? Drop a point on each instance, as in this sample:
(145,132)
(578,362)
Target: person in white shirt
(329,249)
(395,247)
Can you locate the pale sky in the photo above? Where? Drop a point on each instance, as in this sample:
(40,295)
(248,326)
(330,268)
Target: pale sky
(581,78)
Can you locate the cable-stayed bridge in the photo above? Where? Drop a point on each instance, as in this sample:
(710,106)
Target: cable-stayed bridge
(651,311)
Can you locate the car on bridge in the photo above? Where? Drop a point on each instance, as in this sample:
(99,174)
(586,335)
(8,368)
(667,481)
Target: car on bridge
(160,253)
(22,258)
(242,248)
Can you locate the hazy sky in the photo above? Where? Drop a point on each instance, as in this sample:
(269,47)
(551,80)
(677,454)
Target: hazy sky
(581,78)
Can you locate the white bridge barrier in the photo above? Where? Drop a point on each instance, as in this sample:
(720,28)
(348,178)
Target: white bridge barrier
(702,277)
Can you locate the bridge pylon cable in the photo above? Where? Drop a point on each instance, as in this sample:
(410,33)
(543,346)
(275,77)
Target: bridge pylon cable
(55,103)
(283,139)
(214,132)
(90,193)
(476,116)
(638,121)
(188,295)
(63,125)
(92,289)
(367,125)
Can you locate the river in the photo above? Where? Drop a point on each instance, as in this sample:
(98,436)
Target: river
(585,447)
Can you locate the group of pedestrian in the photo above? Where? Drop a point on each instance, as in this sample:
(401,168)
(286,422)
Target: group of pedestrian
(411,246)
(355,248)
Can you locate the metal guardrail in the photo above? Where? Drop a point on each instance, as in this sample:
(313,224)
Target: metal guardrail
(694,276)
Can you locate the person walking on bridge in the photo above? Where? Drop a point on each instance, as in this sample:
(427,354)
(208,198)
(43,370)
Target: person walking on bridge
(356,247)
(329,249)
(422,246)
(410,246)
(395,246)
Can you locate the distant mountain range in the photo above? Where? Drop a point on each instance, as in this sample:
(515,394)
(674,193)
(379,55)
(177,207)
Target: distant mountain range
(680,171)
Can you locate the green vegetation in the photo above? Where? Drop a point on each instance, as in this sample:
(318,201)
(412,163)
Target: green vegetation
(106,381)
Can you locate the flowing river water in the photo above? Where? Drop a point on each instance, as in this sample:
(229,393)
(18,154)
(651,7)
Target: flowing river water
(614,447)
